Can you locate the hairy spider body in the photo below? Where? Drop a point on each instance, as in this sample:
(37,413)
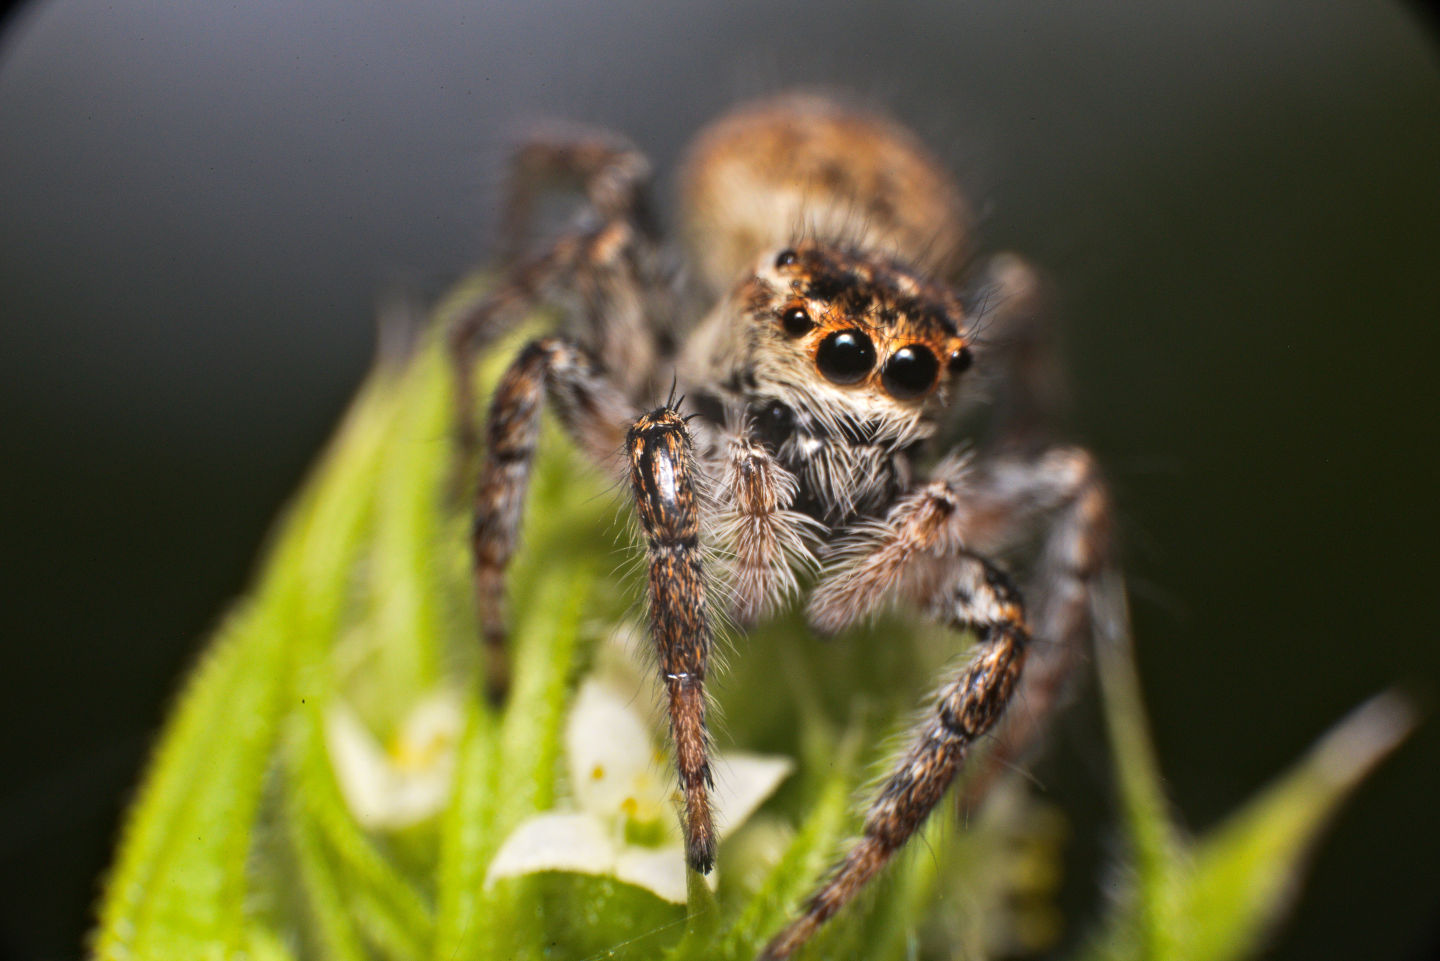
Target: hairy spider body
(845,435)
(835,350)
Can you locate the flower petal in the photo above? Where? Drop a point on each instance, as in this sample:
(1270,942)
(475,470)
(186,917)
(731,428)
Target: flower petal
(361,769)
(380,794)
(428,734)
(614,766)
(742,783)
(554,842)
(661,870)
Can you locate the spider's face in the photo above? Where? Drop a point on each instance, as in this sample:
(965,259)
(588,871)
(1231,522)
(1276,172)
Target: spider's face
(854,340)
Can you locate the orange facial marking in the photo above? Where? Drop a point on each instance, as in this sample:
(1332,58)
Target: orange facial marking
(899,315)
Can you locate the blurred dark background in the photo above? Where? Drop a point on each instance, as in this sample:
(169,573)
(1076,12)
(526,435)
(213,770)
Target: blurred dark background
(1238,203)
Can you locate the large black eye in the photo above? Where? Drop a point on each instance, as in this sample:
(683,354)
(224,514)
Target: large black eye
(846,356)
(797,322)
(786,258)
(910,372)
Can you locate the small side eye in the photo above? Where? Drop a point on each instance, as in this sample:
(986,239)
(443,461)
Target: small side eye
(797,322)
(786,258)
(910,372)
(960,360)
(845,357)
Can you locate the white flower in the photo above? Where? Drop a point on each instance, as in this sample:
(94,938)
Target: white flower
(408,780)
(625,825)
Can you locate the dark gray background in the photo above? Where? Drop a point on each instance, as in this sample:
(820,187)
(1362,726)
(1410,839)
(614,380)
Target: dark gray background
(200,204)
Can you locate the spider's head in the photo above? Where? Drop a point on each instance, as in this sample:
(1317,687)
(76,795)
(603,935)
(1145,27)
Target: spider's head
(856,342)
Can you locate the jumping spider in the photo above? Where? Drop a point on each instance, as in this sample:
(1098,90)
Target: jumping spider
(826,238)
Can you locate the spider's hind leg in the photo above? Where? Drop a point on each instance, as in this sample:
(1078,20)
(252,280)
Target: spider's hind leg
(604,165)
(1025,379)
(1063,485)
(607,263)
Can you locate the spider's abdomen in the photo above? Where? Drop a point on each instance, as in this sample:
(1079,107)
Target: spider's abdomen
(800,164)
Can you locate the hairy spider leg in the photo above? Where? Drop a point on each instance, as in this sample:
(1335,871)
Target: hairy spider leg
(593,411)
(922,553)
(662,466)
(606,167)
(979,597)
(607,262)
(1069,580)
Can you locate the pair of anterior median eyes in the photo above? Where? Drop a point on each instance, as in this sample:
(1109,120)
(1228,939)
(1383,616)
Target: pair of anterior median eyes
(848,356)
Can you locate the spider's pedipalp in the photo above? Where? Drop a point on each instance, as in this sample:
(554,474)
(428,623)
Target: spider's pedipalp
(868,566)
(764,539)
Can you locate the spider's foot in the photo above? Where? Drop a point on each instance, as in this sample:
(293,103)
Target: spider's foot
(700,853)
(497,669)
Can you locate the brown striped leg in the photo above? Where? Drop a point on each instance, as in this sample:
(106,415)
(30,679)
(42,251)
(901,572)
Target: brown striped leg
(607,267)
(524,288)
(610,171)
(662,467)
(979,597)
(988,508)
(922,552)
(591,409)
(764,540)
(1069,581)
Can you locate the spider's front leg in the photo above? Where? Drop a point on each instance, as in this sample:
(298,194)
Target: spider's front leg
(662,476)
(925,552)
(979,597)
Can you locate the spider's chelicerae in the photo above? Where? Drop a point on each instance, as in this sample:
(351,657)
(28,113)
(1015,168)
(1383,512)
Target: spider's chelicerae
(831,347)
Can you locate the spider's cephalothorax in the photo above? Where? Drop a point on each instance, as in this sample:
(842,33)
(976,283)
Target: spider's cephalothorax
(840,363)
(828,239)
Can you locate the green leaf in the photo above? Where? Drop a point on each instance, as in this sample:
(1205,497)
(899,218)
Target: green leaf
(178,886)
(1246,870)
(466,842)
(371,877)
(333,933)
(1216,899)
(522,781)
